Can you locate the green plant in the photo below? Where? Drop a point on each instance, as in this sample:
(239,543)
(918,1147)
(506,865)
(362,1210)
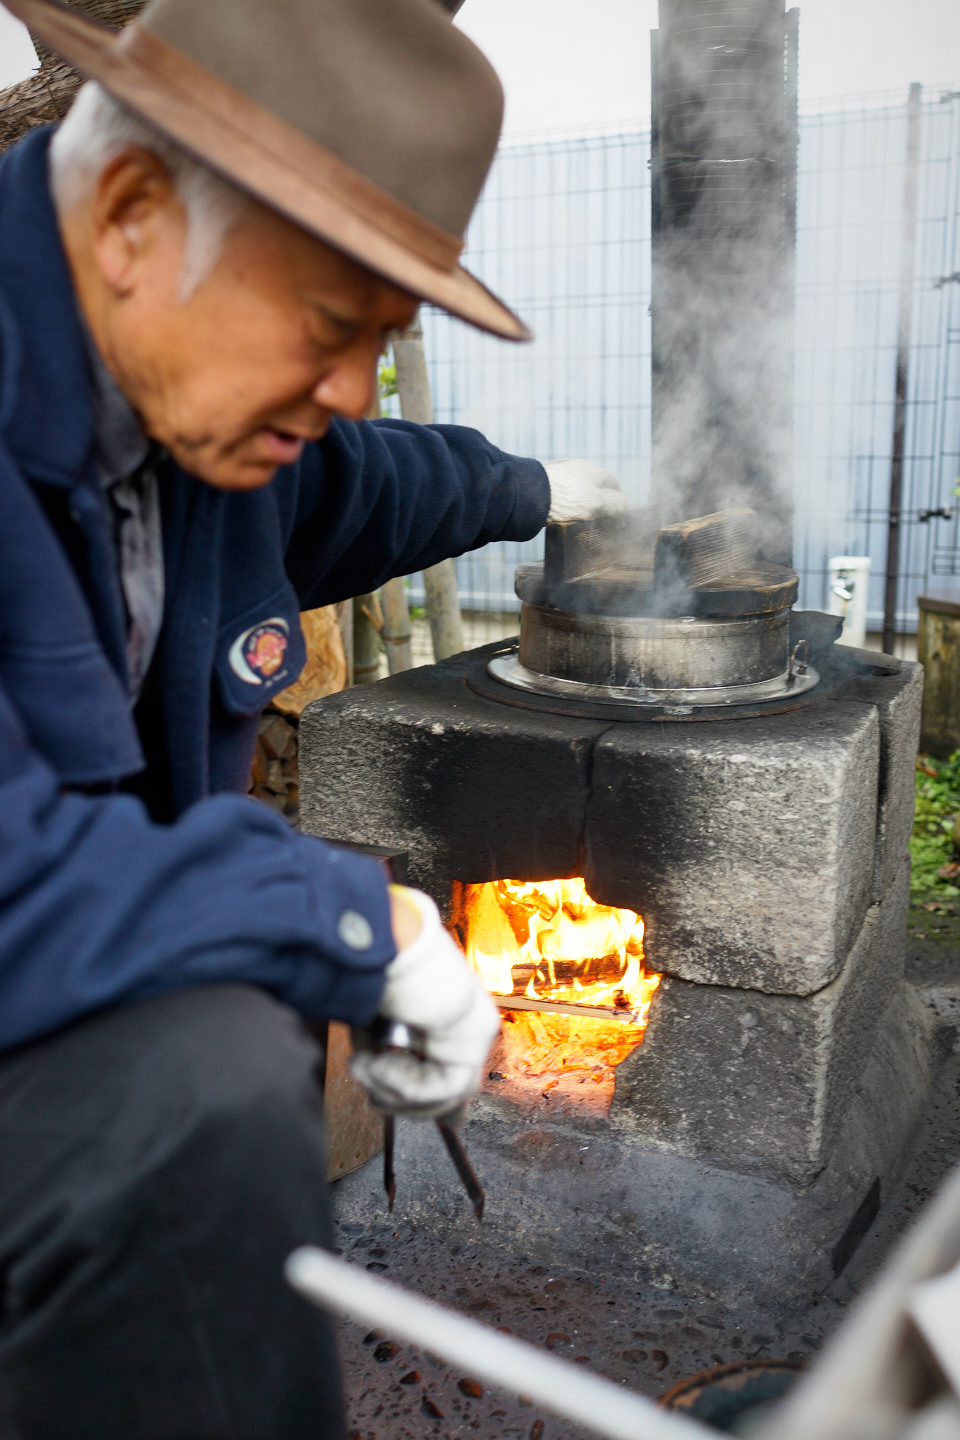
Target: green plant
(932,845)
(387,377)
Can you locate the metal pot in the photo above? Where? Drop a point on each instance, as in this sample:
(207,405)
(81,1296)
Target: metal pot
(652,653)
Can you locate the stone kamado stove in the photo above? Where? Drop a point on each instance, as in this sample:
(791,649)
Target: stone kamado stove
(710,1066)
(669,825)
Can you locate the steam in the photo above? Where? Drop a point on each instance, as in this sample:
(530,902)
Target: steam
(722,297)
(722,275)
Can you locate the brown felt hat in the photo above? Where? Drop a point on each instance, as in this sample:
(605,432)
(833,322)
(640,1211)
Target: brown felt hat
(371,123)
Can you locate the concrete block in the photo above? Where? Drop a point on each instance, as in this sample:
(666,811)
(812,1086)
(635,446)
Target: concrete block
(752,850)
(894,688)
(469,789)
(762,1082)
(747,848)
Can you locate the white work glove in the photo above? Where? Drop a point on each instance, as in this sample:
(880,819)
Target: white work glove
(430,987)
(579,488)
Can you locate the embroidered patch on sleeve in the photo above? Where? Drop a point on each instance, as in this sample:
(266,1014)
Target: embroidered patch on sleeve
(257,654)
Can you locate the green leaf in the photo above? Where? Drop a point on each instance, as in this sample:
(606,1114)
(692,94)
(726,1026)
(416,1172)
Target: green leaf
(387,377)
(937,806)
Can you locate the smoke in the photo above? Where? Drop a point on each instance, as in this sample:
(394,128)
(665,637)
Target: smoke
(723,173)
(722,292)
(722,432)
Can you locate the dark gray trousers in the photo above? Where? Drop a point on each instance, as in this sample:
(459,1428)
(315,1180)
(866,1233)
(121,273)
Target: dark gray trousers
(157,1165)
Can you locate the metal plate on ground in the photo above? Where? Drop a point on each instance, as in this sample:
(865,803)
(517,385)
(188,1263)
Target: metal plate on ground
(723,1396)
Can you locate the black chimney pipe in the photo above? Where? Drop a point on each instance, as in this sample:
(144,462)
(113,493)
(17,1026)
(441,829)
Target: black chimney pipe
(723,209)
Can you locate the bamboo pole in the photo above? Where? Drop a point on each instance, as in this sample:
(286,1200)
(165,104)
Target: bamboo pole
(396,625)
(439,581)
(345,622)
(366,620)
(367,627)
(443,609)
(394,610)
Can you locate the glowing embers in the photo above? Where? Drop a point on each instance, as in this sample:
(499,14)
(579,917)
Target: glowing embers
(568,972)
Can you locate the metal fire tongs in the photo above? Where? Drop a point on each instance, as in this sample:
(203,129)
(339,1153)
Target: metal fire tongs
(393,1035)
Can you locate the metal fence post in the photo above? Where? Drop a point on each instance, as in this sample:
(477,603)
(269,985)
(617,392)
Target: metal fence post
(908,251)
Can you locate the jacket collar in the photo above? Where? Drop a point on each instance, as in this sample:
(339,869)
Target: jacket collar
(121,444)
(49,422)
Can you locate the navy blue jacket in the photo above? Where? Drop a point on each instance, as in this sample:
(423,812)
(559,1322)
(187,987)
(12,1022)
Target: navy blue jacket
(131,861)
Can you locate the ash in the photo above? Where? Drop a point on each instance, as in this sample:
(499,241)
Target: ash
(647,1339)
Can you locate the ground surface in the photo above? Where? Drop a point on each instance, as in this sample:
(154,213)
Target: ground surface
(646,1339)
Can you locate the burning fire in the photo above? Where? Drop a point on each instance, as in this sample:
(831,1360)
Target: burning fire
(548,941)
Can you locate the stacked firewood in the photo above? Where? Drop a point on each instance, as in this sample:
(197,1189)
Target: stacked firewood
(275,778)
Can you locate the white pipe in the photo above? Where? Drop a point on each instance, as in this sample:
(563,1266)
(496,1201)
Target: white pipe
(500,1360)
(849,579)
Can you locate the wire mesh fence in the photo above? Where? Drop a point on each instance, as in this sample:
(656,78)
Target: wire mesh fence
(563,230)
(850,239)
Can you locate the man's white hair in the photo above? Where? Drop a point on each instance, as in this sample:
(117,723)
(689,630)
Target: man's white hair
(97,129)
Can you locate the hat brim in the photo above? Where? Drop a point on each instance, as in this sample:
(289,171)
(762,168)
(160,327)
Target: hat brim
(270,160)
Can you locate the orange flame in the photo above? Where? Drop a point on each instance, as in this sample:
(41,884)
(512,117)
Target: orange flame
(547,940)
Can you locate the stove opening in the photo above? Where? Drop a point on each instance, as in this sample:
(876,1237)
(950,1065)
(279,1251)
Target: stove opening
(570,977)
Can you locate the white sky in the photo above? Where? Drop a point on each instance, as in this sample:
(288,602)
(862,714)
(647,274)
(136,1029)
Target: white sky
(587,62)
(584,63)
(17,55)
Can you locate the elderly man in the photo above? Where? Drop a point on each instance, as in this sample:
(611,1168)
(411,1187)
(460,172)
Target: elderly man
(198,273)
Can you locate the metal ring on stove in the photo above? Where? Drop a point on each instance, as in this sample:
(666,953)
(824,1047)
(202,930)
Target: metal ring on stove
(508,670)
